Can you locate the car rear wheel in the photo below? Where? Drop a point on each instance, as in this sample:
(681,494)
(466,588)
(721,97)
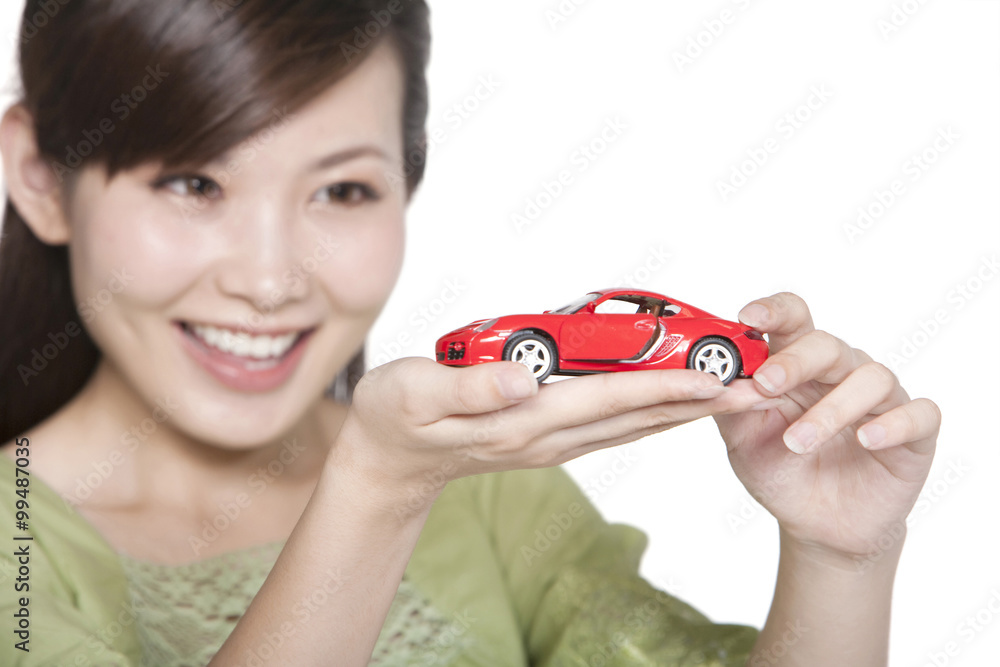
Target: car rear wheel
(716,355)
(534,351)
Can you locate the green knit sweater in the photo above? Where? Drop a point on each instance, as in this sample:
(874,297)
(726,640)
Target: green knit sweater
(515,568)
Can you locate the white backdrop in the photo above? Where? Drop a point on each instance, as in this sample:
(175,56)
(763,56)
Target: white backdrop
(719,152)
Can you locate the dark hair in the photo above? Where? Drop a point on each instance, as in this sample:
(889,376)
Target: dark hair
(219,71)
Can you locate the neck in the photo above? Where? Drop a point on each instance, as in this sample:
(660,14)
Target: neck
(152,460)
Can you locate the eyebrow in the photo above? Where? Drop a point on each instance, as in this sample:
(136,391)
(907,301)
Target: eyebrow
(333,159)
(325,162)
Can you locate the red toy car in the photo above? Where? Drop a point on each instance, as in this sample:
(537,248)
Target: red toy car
(610,330)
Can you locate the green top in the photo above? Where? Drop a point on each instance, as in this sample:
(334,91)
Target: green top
(513,568)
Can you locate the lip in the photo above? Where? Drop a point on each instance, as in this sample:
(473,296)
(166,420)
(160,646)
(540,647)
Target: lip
(239,372)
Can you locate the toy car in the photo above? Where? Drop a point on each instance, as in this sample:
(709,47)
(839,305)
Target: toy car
(610,330)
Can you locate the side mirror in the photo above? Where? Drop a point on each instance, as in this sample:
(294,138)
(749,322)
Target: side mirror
(590,308)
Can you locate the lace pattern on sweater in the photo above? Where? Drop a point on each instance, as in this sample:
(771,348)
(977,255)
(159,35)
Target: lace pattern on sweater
(184,613)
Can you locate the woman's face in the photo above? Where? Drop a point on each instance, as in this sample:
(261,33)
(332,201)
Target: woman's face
(238,290)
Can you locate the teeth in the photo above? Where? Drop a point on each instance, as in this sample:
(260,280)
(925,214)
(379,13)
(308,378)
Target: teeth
(243,344)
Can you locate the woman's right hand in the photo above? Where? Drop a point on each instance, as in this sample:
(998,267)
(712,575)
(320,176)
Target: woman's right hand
(415,425)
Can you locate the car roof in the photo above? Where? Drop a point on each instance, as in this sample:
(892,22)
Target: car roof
(613,291)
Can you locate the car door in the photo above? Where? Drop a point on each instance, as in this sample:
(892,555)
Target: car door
(608,333)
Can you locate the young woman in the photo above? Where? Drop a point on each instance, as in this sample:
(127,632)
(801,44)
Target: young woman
(205,216)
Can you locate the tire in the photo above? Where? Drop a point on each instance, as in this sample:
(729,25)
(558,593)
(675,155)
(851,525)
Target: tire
(718,356)
(533,350)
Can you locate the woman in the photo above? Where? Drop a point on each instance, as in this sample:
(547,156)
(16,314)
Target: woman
(213,196)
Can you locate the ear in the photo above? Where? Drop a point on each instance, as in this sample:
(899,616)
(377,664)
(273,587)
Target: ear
(32,186)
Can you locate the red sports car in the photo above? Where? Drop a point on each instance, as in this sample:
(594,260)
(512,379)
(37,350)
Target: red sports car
(610,330)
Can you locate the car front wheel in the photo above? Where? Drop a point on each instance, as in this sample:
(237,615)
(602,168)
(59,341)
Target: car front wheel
(534,351)
(716,355)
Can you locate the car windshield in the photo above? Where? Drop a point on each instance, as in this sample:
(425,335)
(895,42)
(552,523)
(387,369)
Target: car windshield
(577,304)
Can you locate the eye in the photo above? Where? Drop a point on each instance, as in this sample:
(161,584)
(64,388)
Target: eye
(191,186)
(347,194)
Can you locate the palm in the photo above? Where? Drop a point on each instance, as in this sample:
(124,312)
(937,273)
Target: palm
(842,496)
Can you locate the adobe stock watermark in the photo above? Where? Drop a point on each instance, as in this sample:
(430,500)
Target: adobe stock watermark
(597,485)
(292,279)
(770,655)
(563,11)
(899,15)
(231,511)
(103,638)
(580,161)
(956,299)
(712,29)
(237,159)
(456,116)
(911,171)
(420,320)
(652,612)
(420,495)
(130,440)
(452,633)
(973,625)
(752,505)
(121,108)
(559,523)
(32,25)
(656,259)
(930,497)
(57,341)
(302,611)
(786,127)
(368,33)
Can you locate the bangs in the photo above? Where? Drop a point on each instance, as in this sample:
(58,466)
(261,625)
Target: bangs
(182,82)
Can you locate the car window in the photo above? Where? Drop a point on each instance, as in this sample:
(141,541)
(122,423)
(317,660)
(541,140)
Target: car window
(620,306)
(577,304)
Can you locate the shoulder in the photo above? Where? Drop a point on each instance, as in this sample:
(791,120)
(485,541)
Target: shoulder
(54,448)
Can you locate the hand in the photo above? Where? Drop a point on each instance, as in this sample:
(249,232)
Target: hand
(846,455)
(415,424)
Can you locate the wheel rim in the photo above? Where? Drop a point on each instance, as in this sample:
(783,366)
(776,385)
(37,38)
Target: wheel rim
(533,354)
(716,359)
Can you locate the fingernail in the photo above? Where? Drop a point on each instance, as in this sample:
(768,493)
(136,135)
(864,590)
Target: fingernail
(871,435)
(711,391)
(771,378)
(768,404)
(754,315)
(515,386)
(801,437)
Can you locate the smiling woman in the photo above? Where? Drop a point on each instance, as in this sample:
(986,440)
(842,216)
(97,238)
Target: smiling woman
(192,57)
(195,273)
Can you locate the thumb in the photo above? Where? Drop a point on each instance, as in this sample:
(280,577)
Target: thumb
(485,388)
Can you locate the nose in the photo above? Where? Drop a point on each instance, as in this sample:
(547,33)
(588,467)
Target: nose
(262,266)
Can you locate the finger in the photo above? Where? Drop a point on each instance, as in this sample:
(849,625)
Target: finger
(816,355)
(784,317)
(427,391)
(577,452)
(739,398)
(584,400)
(914,424)
(594,397)
(870,388)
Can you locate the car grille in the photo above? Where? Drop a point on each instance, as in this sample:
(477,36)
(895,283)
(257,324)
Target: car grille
(456,351)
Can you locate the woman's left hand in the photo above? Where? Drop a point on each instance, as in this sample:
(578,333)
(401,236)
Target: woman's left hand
(841,462)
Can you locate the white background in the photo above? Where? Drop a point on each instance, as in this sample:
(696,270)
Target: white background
(653,193)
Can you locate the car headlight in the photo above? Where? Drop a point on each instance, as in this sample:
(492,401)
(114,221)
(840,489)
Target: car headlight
(753,334)
(486,325)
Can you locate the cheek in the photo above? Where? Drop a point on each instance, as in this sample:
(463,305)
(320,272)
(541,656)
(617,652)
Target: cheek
(145,261)
(366,265)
